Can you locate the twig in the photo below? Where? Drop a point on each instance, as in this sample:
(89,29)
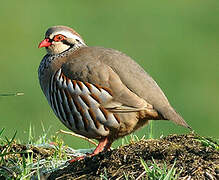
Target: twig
(77,135)
(141,175)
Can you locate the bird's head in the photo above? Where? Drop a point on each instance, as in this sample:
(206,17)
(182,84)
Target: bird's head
(61,38)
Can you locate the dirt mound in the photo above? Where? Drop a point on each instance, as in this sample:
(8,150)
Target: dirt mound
(191,156)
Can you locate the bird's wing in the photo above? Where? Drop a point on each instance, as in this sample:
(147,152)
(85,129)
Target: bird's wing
(102,82)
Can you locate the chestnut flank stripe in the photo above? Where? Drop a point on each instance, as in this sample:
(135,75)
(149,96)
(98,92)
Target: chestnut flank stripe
(104,111)
(64,105)
(97,86)
(93,117)
(77,121)
(80,84)
(117,118)
(95,97)
(88,86)
(86,123)
(108,90)
(86,101)
(59,106)
(81,111)
(74,83)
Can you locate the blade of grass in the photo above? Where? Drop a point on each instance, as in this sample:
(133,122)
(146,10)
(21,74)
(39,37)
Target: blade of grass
(12,94)
(12,139)
(170,172)
(2,130)
(145,166)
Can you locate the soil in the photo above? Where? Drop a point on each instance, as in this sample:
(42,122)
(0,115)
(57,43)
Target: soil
(194,159)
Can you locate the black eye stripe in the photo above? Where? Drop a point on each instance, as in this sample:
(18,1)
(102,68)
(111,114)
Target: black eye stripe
(64,41)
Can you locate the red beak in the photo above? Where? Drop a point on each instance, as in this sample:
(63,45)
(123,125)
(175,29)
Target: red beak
(44,43)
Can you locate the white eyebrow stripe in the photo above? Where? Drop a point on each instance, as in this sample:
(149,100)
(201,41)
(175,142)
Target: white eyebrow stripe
(67,34)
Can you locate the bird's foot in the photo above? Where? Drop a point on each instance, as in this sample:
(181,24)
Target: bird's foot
(104,144)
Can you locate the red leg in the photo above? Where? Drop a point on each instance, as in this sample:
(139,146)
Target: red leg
(104,144)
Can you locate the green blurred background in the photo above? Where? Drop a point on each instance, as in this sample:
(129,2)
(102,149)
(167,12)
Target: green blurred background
(177,42)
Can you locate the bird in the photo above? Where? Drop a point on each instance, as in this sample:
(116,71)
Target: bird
(98,92)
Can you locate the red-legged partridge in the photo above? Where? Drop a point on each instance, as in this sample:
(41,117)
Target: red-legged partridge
(97,92)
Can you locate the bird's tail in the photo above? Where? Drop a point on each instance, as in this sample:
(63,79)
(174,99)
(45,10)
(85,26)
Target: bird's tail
(170,114)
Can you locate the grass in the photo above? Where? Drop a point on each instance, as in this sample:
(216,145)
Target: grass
(22,164)
(208,142)
(154,172)
(44,154)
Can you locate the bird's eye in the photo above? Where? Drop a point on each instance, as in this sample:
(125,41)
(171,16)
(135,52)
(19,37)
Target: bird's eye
(59,37)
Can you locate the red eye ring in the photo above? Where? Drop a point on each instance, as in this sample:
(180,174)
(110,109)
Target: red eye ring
(59,37)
